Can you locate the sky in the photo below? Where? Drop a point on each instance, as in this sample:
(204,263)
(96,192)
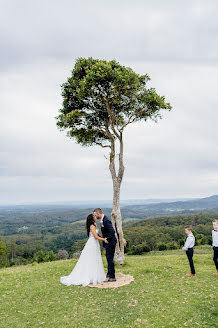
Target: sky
(174,42)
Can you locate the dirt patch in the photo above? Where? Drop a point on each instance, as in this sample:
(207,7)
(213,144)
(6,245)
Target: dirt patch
(122,280)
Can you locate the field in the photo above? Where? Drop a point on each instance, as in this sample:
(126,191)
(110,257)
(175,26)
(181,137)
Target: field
(160,296)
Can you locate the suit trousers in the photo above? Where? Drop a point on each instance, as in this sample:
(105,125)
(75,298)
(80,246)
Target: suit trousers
(189,254)
(110,250)
(215,256)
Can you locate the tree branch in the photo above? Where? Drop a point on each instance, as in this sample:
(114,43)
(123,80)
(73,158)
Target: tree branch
(112,166)
(132,118)
(103,146)
(112,118)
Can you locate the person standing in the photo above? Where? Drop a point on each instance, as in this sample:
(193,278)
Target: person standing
(108,233)
(189,248)
(215,245)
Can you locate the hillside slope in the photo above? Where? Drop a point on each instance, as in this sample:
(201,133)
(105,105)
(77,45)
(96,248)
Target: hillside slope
(31,296)
(204,205)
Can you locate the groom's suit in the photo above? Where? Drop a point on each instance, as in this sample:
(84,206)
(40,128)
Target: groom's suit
(109,233)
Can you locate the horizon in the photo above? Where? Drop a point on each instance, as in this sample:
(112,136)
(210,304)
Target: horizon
(102,201)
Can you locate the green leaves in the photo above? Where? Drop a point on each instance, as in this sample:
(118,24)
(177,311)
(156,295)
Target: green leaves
(102,97)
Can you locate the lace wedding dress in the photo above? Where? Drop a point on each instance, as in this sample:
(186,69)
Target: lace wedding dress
(89,268)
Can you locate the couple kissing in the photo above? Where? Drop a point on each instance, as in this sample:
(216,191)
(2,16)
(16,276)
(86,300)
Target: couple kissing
(89,268)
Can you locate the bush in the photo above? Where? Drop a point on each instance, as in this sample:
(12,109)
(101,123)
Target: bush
(162,246)
(204,240)
(62,254)
(172,245)
(181,242)
(76,255)
(42,256)
(3,254)
(139,249)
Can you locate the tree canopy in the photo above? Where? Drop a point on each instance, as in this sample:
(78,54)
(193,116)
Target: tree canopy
(102,97)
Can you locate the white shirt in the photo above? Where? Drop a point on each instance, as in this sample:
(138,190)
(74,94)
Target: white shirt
(190,241)
(215,237)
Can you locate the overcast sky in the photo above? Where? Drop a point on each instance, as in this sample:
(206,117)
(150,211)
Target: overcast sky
(175,42)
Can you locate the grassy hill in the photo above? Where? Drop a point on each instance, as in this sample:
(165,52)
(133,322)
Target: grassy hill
(160,296)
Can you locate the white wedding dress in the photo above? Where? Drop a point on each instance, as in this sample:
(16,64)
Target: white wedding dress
(89,268)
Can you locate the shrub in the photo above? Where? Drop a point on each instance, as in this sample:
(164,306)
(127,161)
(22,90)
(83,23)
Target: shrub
(42,256)
(181,242)
(76,255)
(3,254)
(162,246)
(139,249)
(204,240)
(172,245)
(62,254)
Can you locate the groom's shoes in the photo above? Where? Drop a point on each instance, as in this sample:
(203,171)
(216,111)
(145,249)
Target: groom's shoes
(112,279)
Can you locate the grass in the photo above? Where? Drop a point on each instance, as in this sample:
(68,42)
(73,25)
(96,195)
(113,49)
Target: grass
(160,296)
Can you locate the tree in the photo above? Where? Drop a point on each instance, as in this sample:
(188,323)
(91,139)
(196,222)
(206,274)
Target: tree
(100,99)
(3,254)
(62,254)
(42,256)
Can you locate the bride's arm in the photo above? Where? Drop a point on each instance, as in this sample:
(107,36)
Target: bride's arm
(93,230)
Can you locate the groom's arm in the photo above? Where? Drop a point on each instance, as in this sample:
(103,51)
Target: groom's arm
(109,226)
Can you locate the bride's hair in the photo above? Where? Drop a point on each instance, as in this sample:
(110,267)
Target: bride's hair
(89,221)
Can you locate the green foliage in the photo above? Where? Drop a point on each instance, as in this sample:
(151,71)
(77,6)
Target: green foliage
(78,246)
(200,239)
(139,249)
(103,94)
(49,230)
(41,256)
(172,245)
(162,246)
(168,232)
(3,248)
(181,242)
(3,253)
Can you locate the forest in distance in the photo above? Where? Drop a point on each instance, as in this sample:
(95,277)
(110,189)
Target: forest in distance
(32,233)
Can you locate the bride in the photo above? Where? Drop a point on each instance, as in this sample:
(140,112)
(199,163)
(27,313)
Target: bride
(89,268)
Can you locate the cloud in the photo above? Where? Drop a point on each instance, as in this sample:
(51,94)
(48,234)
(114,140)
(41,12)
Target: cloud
(127,30)
(174,42)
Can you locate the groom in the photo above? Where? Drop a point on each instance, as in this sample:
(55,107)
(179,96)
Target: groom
(109,233)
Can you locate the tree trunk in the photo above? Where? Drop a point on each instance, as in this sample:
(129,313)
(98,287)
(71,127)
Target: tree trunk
(117,179)
(117,223)
(116,213)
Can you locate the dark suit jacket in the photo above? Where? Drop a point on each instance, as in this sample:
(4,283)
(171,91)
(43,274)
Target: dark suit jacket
(108,232)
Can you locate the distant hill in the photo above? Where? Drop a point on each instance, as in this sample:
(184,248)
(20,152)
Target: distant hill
(208,204)
(81,204)
(27,231)
(45,217)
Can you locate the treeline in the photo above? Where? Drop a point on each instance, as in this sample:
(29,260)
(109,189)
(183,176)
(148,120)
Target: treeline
(142,236)
(30,248)
(167,232)
(12,254)
(24,248)
(31,222)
